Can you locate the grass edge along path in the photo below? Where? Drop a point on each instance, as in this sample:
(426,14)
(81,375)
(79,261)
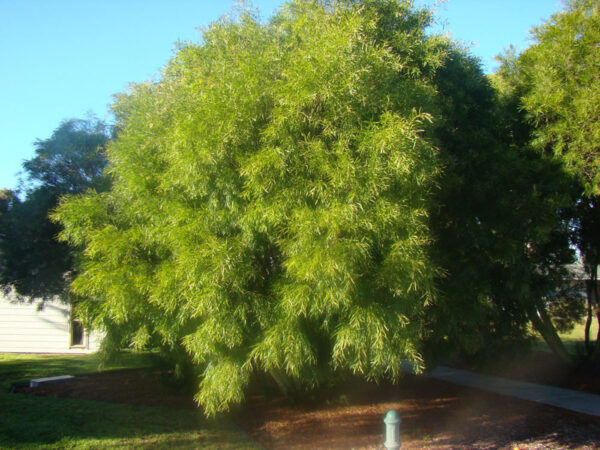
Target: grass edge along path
(42,422)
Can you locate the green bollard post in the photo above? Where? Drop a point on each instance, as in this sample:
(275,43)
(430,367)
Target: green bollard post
(392,430)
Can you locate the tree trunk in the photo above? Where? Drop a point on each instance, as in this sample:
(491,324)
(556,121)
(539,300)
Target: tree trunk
(596,354)
(593,300)
(588,320)
(543,325)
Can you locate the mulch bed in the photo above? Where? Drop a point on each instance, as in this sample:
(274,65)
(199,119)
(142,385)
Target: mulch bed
(434,414)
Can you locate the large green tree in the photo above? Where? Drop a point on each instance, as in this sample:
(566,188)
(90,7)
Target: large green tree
(32,262)
(335,190)
(270,200)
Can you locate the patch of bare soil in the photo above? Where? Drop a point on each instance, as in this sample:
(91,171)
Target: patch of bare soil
(434,415)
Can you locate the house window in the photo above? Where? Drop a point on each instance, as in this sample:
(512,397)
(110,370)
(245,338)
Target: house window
(77,334)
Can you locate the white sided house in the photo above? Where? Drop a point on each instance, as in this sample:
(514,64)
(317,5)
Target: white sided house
(42,327)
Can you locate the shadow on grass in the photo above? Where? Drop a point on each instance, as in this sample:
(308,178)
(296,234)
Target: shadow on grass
(41,421)
(16,367)
(34,421)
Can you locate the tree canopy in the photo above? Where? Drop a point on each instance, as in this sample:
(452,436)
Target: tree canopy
(333,191)
(562,89)
(270,199)
(32,262)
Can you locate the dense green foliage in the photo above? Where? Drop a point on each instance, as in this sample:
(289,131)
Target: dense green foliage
(332,191)
(554,89)
(32,262)
(270,199)
(562,89)
(496,223)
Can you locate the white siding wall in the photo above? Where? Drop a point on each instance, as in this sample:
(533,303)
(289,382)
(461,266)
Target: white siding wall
(26,328)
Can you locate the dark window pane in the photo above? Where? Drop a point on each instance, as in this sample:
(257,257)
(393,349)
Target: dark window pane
(76,333)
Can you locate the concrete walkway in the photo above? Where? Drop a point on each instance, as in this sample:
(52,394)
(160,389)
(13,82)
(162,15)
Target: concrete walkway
(580,402)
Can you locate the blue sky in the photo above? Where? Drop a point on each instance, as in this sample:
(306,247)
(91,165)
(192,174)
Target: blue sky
(65,59)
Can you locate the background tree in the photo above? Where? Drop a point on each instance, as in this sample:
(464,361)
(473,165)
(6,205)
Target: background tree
(32,262)
(497,226)
(562,90)
(587,238)
(557,84)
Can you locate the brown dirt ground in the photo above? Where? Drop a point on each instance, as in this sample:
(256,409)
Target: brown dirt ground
(434,415)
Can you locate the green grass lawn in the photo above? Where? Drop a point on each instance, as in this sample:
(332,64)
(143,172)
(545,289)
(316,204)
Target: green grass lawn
(16,367)
(573,340)
(42,422)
